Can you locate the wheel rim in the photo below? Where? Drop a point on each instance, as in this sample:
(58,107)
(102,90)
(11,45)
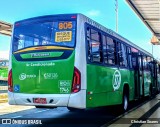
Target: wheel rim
(125,103)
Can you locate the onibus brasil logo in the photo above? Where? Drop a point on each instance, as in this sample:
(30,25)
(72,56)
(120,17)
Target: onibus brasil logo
(116,81)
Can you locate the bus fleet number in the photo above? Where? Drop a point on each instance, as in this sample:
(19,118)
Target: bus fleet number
(65,25)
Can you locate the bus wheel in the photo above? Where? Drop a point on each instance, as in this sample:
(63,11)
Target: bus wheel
(74,109)
(39,106)
(125,102)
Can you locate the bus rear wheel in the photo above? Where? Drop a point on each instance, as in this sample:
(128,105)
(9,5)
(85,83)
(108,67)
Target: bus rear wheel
(125,102)
(74,109)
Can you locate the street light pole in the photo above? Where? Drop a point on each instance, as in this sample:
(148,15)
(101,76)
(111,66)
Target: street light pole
(116,15)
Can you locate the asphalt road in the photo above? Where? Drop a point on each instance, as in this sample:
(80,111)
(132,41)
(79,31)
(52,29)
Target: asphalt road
(60,117)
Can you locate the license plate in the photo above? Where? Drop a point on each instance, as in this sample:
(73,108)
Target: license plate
(40,100)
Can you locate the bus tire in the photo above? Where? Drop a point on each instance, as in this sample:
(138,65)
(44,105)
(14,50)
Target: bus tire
(39,106)
(74,109)
(125,102)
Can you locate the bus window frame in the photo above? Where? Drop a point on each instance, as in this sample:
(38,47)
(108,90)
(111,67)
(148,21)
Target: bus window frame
(100,45)
(41,20)
(86,45)
(106,35)
(129,61)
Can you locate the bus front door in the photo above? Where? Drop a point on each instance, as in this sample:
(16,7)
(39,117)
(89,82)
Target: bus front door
(138,75)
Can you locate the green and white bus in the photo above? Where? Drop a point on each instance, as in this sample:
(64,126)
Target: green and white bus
(70,60)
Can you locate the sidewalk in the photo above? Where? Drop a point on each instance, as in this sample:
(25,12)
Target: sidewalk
(139,116)
(3,97)
(5,108)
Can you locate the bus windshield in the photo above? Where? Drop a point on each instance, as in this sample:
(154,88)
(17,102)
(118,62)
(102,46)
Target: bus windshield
(60,33)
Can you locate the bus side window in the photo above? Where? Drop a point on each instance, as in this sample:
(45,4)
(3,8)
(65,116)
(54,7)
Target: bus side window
(157,68)
(105,55)
(88,44)
(111,51)
(119,53)
(134,52)
(140,62)
(134,64)
(149,64)
(122,55)
(94,46)
(144,63)
(129,56)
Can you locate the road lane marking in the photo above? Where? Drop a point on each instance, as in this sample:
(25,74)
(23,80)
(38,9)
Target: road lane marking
(41,111)
(16,117)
